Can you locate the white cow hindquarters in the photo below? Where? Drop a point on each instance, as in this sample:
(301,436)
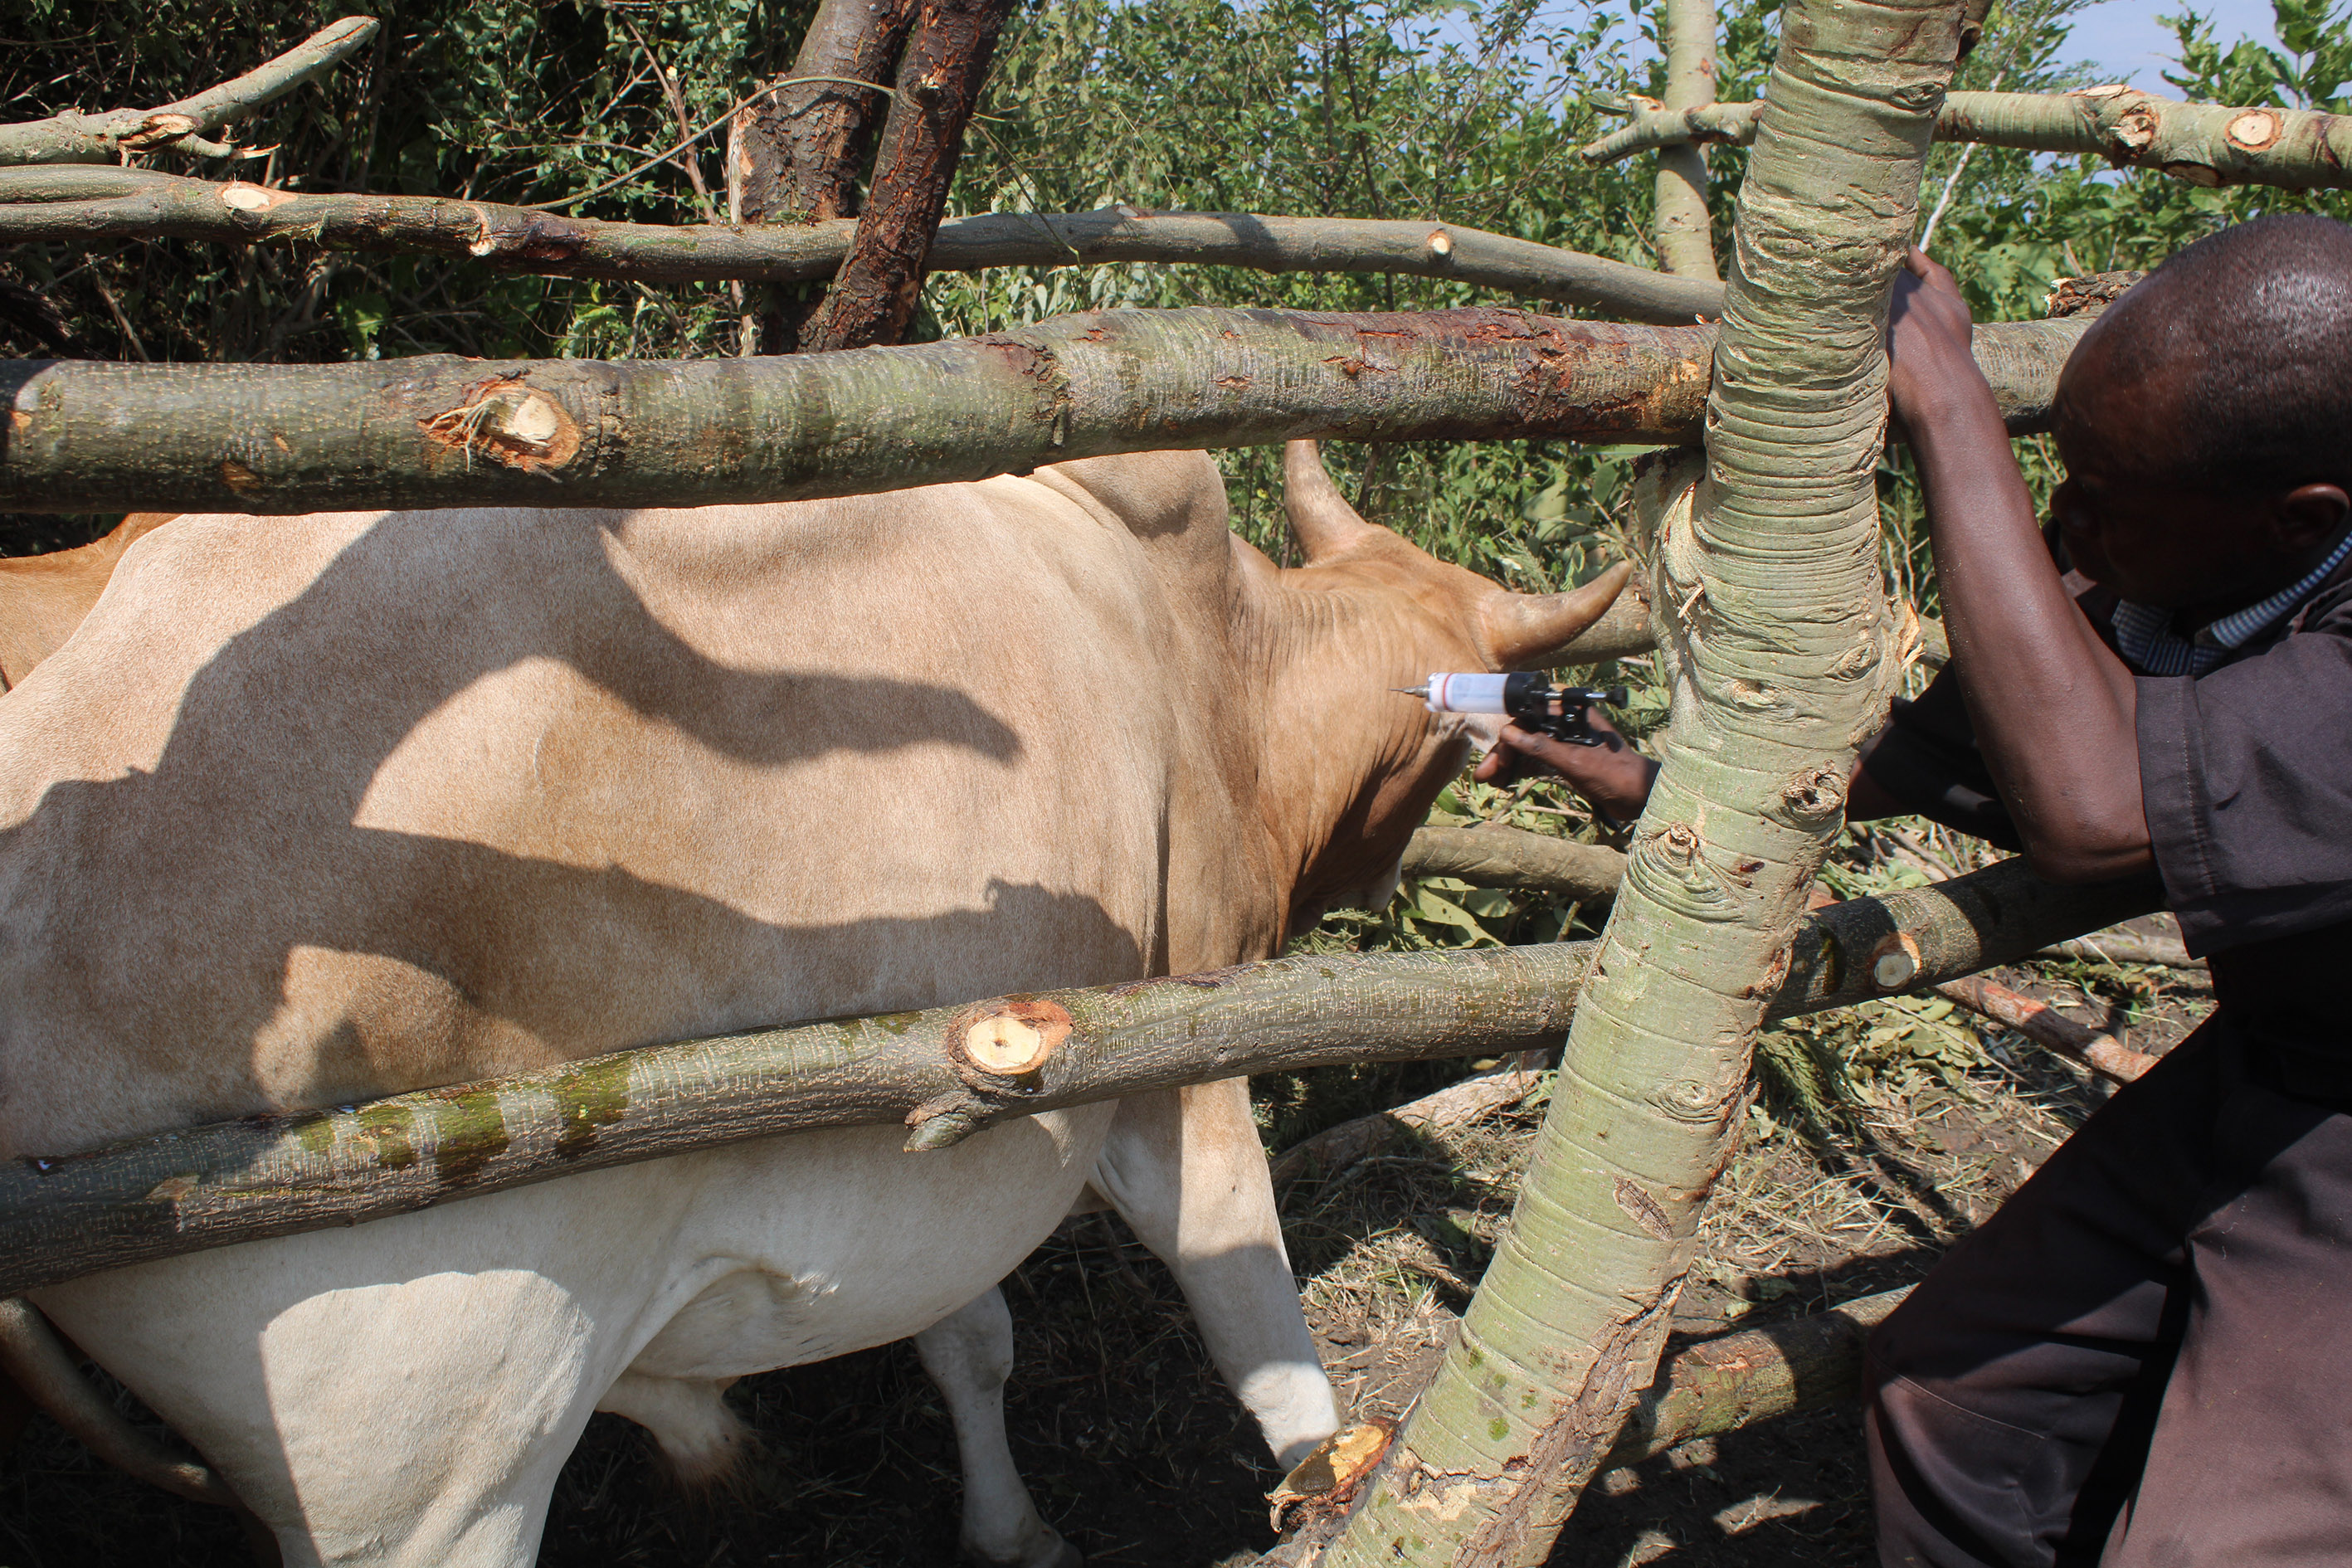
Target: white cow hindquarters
(404,1392)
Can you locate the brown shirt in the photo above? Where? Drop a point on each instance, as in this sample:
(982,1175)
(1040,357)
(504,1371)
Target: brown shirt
(2246,776)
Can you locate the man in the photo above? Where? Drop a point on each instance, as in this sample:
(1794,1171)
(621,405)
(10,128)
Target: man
(2145,1357)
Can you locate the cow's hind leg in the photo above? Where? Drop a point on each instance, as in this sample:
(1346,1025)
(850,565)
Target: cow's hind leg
(970,1354)
(1185,1170)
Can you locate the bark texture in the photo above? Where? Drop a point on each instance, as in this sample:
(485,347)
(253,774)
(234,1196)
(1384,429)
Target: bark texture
(440,431)
(2204,143)
(1719,1385)
(1776,633)
(793,156)
(946,64)
(83,208)
(1492,857)
(306,1170)
(1686,231)
(104,138)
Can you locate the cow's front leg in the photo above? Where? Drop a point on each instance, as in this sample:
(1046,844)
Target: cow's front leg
(1185,1170)
(970,1354)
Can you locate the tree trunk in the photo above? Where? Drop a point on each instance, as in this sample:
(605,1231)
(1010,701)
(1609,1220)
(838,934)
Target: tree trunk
(2206,145)
(84,208)
(287,1174)
(794,156)
(873,296)
(1685,229)
(1776,627)
(104,138)
(440,431)
(1704,1389)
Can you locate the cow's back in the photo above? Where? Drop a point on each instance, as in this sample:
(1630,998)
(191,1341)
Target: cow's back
(315,808)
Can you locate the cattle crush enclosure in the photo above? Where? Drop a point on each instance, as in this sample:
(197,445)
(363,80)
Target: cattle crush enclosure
(1768,391)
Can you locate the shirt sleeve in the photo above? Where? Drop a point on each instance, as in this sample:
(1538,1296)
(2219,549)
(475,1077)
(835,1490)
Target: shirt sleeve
(1926,758)
(2246,778)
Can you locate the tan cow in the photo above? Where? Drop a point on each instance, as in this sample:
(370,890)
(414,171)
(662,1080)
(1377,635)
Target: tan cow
(44,597)
(314,809)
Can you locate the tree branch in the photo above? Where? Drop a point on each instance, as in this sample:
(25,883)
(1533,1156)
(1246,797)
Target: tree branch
(85,207)
(2205,144)
(285,1173)
(1495,856)
(103,138)
(443,431)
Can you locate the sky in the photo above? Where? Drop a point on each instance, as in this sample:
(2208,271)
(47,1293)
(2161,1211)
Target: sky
(2125,39)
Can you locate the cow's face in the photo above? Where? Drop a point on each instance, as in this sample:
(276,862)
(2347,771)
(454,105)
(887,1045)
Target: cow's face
(1370,612)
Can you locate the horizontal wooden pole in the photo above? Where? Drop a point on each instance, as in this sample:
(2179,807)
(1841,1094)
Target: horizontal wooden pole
(1721,1384)
(85,207)
(943,1073)
(1495,856)
(439,431)
(1703,1390)
(2203,143)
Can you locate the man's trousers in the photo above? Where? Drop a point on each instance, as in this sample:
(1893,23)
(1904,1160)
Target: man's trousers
(2145,1358)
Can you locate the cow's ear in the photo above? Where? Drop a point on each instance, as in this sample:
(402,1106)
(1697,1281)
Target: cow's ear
(1522,628)
(1320,517)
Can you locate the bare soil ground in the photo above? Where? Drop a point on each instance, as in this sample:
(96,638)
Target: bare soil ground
(1137,1452)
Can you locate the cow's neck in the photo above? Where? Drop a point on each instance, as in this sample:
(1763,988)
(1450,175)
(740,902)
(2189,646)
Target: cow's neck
(1346,768)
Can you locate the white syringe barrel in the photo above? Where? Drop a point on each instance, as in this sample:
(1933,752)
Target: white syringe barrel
(1471,693)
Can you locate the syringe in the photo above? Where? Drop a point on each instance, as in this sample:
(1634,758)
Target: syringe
(1533,702)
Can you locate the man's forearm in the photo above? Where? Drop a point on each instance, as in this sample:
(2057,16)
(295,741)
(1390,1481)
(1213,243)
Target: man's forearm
(2052,706)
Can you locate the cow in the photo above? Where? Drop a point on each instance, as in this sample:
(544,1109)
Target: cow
(315,809)
(44,597)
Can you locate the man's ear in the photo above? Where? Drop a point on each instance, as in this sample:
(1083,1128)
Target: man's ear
(2310,516)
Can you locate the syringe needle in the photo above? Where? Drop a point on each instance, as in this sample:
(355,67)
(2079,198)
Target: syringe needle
(1420,691)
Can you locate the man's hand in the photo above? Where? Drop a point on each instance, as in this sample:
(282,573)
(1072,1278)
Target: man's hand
(1929,331)
(1613,775)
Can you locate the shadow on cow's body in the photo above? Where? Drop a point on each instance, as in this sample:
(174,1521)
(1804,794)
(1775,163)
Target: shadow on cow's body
(324,809)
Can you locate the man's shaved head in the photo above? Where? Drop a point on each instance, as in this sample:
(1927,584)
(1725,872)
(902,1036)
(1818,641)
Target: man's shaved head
(2238,355)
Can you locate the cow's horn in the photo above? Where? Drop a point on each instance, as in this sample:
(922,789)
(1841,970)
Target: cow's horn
(1523,628)
(1320,517)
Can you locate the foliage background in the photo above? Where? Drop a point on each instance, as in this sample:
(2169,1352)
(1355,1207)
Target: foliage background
(1464,110)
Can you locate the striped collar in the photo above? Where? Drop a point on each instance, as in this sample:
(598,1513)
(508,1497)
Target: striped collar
(2145,637)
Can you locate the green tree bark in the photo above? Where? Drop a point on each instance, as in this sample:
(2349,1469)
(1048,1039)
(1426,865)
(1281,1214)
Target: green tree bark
(2203,143)
(283,1174)
(442,431)
(1776,629)
(87,208)
(1684,229)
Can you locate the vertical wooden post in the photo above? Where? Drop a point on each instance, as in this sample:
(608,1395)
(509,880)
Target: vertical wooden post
(1776,630)
(1686,234)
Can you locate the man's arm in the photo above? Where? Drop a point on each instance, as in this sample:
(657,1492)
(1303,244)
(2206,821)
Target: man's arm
(2054,711)
(1616,779)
